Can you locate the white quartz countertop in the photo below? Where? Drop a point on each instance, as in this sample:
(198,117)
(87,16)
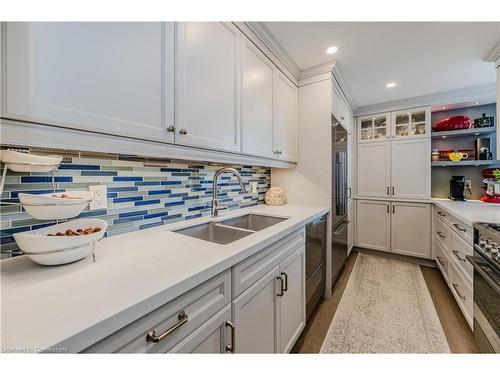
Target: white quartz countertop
(471,211)
(73,306)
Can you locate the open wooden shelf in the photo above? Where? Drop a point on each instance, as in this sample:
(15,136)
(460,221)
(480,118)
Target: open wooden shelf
(464,132)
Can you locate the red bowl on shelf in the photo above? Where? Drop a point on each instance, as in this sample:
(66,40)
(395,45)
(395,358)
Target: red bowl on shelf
(453,123)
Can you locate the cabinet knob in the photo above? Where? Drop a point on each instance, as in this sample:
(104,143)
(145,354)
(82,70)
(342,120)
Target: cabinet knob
(171,129)
(183,131)
(277,152)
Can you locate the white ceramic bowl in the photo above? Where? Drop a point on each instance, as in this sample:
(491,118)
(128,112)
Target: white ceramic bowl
(22,162)
(52,207)
(36,242)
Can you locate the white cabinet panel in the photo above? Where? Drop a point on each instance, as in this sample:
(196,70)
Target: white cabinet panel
(110,77)
(373,225)
(284,118)
(256,101)
(411,168)
(373,169)
(208,85)
(351,216)
(411,229)
(255,316)
(292,302)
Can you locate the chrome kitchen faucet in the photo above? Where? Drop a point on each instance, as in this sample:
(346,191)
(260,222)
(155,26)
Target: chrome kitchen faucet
(215,203)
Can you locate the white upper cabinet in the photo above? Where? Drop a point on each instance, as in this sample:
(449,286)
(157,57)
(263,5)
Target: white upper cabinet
(374,170)
(412,123)
(284,118)
(256,101)
(109,77)
(374,128)
(411,169)
(208,85)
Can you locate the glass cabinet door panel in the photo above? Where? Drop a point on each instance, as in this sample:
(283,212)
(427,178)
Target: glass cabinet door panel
(366,124)
(366,134)
(380,133)
(418,116)
(402,130)
(403,119)
(418,129)
(380,122)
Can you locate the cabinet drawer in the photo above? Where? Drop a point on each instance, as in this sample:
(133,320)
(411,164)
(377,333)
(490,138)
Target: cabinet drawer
(442,233)
(247,272)
(442,214)
(458,251)
(463,230)
(462,291)
(442,261)
(199,304)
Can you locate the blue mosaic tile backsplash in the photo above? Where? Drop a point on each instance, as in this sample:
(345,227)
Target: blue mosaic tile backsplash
(142,192)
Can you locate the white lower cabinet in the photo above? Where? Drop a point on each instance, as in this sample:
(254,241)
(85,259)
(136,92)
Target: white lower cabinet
(411,229)
(292,310)
(351,228)
(255,314)
(373,226)
(398,227)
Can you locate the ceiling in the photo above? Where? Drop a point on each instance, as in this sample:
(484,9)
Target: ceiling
(423,58)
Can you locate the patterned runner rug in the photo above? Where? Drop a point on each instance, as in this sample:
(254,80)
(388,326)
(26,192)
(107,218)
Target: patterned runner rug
(386,308)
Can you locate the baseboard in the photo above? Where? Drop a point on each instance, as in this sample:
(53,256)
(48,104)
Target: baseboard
(403,258)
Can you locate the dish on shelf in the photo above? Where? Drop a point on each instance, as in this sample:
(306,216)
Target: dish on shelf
(23,162)
(55,206)
(43,246)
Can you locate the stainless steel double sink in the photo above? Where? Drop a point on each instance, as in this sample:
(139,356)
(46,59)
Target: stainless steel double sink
(226,231)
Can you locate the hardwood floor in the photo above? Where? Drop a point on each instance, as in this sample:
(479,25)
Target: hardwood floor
(455,327)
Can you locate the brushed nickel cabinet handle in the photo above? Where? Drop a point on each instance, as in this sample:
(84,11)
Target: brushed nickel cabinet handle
(393,209)
(440,260)
(171,129)
(388,209)
(280,293)
(285,287)
(440,213)
(182,319)
(183,131)
(232,346)
(459,227)
(440,234)
(455,286)
(458,256)
(388,190)
(393,189)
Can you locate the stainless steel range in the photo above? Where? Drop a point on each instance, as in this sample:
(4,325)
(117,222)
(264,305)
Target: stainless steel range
(486,263)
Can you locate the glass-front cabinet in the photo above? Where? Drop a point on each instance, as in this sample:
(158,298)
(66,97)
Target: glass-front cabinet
(411,123)
(374,128)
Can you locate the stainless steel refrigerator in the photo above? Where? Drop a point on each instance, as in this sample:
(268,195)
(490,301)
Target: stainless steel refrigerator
(339,198)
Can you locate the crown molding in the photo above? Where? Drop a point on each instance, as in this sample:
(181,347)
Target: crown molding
(484,93)
(262,32)
(494,54)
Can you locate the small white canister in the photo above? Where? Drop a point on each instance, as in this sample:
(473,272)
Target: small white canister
(275,196)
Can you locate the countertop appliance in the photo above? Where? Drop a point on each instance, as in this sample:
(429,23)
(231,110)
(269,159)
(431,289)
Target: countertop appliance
(315,263)
(339,198)
(457,188)
(491,185)
(486,263)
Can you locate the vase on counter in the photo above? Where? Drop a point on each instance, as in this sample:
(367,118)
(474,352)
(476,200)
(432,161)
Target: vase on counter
(275,196)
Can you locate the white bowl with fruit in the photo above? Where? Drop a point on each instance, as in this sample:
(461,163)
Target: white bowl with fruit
(61,243)
(55,206)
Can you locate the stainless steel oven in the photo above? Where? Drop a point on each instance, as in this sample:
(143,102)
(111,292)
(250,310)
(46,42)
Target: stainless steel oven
(486,263)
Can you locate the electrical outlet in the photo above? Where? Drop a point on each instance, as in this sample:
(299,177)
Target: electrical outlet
(254,187)
(99,197)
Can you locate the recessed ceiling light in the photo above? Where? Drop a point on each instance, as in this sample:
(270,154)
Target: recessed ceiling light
(476,103)
(443,108)
(332,50)
(390,84)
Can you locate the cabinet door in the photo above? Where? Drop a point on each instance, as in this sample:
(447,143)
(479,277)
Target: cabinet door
(284,118)
(207,85)
(213,336)
(374,128)
(256,101)
(412,123)
(373,221)
(293,301)
(373,173)
(109,77)
(411,229)
(255,316)
(411,168)
(351,215)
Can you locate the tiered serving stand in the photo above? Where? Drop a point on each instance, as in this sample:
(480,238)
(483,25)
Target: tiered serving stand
(42,245)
